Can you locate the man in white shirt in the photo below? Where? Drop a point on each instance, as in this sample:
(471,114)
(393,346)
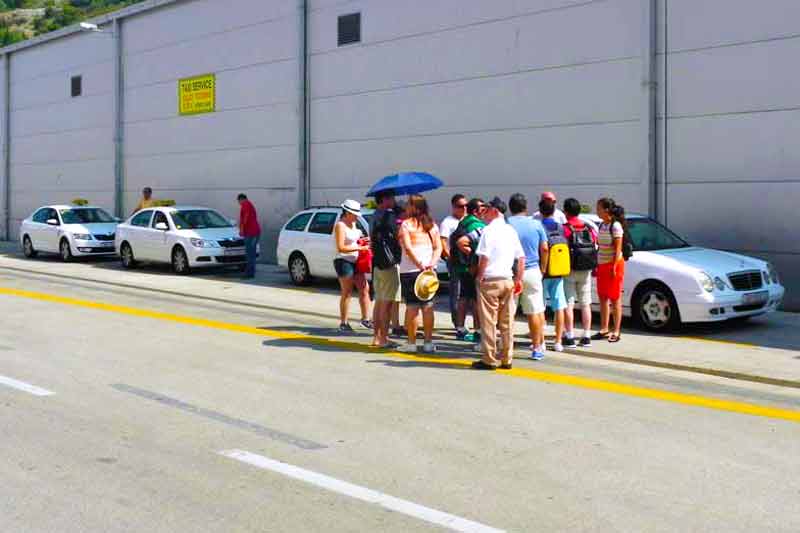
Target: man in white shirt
(499,251)
(458,206)
(558,216)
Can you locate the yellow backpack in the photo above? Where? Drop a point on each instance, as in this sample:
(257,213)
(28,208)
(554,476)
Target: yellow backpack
(558,264)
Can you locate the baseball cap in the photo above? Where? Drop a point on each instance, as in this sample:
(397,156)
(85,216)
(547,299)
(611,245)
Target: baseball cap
(498,204)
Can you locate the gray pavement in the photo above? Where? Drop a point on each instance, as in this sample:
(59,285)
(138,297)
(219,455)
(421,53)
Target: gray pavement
(143,405)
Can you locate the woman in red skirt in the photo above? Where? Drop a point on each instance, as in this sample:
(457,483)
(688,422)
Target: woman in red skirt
(610,267)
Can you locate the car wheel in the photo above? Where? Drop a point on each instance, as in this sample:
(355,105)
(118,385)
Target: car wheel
(126,253)
(27,248)
(655,308)
(180,261)
(65,250)
(299,270)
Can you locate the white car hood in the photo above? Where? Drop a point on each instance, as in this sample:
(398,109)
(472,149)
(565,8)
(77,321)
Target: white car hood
(714,262)
(94,229)
(211,234)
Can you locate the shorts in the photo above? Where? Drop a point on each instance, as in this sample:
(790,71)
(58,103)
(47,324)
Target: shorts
(532,297)
(386,283)
(407,282)
(468,290)
(344,268)
(578,288)
(610,287)
(554,292)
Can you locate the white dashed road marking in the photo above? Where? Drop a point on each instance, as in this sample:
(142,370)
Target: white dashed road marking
(25,387)
(427,514)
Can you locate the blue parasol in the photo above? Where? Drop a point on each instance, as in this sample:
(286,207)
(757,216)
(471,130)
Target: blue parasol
(406,183)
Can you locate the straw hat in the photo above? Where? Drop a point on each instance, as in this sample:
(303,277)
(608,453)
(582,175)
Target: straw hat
(351,206)
(426,285)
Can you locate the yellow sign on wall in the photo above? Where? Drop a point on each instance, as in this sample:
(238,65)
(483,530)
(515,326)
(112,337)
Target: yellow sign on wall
(197,95)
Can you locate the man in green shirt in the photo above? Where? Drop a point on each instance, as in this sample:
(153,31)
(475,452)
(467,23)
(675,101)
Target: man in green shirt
(463,243)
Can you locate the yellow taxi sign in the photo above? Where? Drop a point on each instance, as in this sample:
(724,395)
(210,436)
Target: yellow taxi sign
(197,95)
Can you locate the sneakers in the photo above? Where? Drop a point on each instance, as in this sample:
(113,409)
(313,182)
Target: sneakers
(367,323)
(461,334)
(558,347)
(586,342)
(407,348)
(568,342)
(428,347)
(474,337)
(344,327)
(537,355)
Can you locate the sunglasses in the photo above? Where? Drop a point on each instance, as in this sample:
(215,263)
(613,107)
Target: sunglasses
(461,206)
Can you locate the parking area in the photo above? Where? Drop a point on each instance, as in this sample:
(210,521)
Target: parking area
(763,349)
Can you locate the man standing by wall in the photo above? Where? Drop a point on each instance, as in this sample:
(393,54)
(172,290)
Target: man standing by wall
(146,200)
(458,206)
(558,214)
(250,230)
(498,251)
(386,254)
(534,243)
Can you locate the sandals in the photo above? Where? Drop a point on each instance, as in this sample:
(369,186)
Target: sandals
(600,336)
(614,338)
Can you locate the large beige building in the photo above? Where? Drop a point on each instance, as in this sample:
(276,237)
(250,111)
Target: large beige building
(684,109)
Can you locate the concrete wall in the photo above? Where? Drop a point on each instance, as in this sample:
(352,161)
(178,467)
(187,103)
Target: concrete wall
(3,155)
(493,97)
(733,120)
(61,147)
(250,144)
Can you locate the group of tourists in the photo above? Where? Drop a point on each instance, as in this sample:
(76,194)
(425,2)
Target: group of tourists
(499,257)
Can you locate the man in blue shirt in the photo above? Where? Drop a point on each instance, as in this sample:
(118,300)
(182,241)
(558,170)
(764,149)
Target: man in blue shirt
(534,243)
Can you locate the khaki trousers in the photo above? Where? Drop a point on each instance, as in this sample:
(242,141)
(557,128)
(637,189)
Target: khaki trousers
(496,307)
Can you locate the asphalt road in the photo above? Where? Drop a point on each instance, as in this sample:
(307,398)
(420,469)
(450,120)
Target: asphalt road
(126,411)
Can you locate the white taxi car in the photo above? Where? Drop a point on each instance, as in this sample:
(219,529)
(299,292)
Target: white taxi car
(668,281)
(305,244)
(185,237)
(68,230)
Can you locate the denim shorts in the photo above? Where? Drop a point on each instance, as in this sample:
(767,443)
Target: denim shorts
(344,268)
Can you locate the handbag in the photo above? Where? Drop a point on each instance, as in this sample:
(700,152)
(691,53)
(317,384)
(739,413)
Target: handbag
(364,259)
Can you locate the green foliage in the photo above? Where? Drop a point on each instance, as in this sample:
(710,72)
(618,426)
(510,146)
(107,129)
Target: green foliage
(17,25)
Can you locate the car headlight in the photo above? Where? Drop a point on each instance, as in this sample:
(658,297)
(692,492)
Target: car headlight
(202,243)
(773,274)
(706,283)
(81,236)
(719,283)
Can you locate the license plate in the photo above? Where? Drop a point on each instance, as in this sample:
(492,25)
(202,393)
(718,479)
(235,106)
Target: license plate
(755,298)
(234,251)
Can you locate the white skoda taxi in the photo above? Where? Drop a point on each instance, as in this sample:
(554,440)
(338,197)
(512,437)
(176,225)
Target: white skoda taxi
(668,281)
(184,237)
(68,230)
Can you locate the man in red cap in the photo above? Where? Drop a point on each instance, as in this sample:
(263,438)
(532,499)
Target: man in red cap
(558,216)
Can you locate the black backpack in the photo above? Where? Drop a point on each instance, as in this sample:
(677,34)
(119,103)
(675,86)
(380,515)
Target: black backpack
(582,249)
(627,246)
(386,251)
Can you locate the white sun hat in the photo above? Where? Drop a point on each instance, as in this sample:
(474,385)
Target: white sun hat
(351,206)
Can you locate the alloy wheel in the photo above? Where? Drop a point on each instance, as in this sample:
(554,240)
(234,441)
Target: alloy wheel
(299,270)
(180,262)
(655,309)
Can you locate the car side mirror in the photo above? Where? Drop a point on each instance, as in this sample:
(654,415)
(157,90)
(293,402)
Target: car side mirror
(117,220)
(161,226)
(232,222)
(52,222)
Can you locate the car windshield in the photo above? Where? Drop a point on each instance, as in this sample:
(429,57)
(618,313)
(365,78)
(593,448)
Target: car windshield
(85,216)
(199,219)
(650,236)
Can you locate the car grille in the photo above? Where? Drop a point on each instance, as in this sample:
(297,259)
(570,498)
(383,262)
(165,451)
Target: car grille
(235,243)
(746,281)
(750,307)
(104,237)
(228,259)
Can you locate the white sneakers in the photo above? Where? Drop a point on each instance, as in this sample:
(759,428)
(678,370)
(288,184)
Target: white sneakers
(428,347)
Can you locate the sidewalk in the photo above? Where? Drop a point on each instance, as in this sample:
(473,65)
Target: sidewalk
(766,346)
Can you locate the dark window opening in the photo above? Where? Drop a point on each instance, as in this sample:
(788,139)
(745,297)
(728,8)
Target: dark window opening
(77,85)
(350,29)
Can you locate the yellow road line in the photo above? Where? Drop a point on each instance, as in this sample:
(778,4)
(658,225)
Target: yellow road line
(722,341)
(550,377)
